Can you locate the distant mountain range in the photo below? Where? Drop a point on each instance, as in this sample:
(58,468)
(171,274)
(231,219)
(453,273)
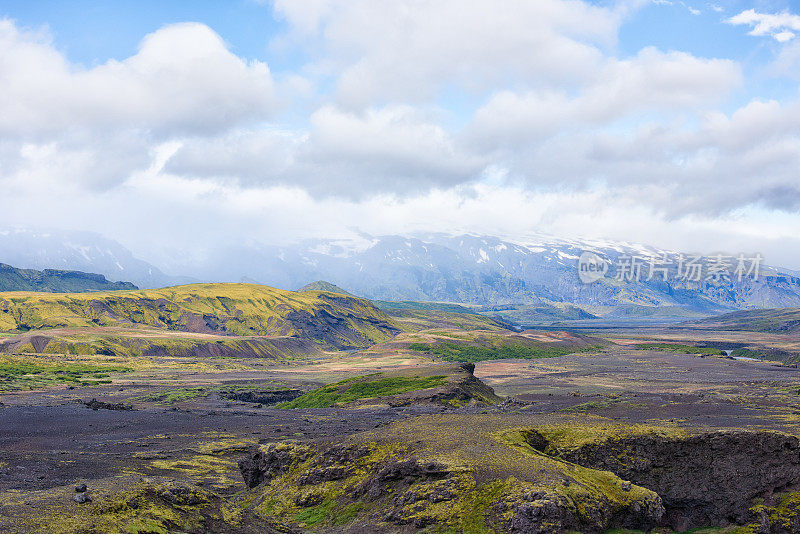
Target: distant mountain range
(79,251)
(525,281)
(51,280)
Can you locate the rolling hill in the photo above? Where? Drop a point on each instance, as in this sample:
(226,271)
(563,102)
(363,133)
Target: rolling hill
(335,320)
(322,285)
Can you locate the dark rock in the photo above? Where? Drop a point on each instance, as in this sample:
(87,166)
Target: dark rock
(334,463)
(95,404)
(80,488)
(406,470)
(182,495)
(264,463)
(551,513)
(262,396)
(704,479)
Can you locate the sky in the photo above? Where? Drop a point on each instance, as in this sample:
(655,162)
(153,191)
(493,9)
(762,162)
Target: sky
(174,127)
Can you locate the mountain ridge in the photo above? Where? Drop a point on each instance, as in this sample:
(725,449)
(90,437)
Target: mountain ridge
(537,277)
(29,248)
(56,281)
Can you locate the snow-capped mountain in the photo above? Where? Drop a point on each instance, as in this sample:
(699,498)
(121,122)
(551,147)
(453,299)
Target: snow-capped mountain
(536,273)
(79,251)
(490,271)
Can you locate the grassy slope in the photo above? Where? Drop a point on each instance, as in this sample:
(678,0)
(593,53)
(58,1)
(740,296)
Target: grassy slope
(416,320)
(240,309)
(176,344)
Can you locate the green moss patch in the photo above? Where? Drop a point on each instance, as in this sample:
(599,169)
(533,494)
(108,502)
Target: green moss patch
(18,374)
(364,387)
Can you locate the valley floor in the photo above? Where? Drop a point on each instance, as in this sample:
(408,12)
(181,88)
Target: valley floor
(172,426)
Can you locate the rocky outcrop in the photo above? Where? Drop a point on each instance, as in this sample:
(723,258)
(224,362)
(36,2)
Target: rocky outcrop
(401,491)
(265,463)
(461,388)
(261,396)
(704,479)
(95,404)
(464,389)
(543,511)
(452,385)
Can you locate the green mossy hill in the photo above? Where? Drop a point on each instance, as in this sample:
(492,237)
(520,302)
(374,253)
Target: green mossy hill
(542,313)
(771,320)
(322,285)
(158,344)
(423,306)
(417,320)
(52,280)
(453,385)
(481,346)
(238,309)
(447,473)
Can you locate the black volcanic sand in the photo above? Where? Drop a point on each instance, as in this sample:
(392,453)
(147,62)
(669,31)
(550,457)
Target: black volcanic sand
(643,386)
(47,446)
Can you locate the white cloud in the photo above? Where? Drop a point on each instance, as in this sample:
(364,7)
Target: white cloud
(394,149)
(95,125)
(780,26)
(405,148)
(787,62)
(651,82)
(182,79)
(409,51)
